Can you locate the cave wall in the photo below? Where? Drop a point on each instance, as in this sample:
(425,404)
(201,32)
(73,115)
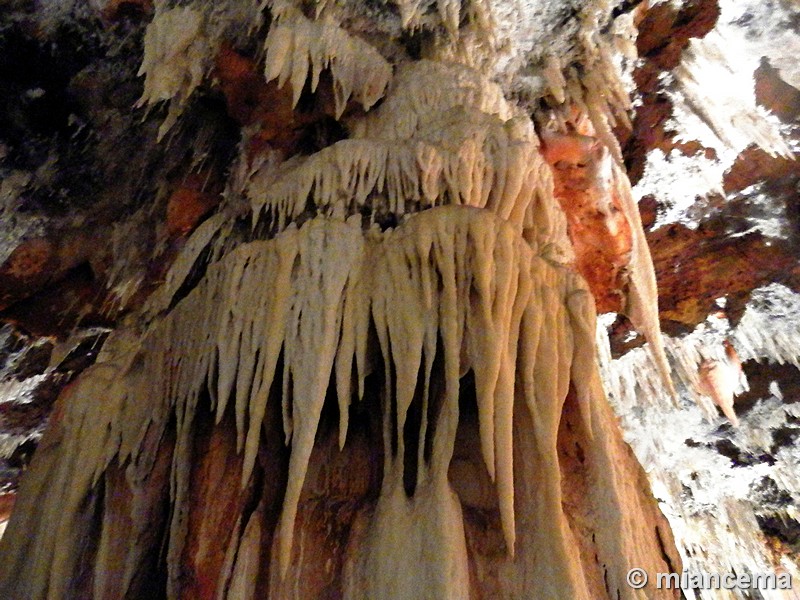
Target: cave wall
(101,193)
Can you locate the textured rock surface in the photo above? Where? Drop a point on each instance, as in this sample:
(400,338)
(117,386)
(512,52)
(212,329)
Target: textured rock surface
(720,207)
(95,211)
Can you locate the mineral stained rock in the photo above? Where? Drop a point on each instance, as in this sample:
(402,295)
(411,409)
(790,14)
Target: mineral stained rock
(298,298)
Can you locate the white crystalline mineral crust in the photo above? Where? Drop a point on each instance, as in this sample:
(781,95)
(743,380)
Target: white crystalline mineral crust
(713,98)
(709,498)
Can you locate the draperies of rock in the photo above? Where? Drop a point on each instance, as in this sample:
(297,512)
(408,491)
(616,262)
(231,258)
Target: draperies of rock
(453,290)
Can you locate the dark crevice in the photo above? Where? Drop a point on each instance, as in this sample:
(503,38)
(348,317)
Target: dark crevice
(435,398)
(781,527)
(664,554)
(193,278)
(411,431)
(624,7)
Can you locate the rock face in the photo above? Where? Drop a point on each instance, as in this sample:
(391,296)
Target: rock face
(718,203)
(308,293)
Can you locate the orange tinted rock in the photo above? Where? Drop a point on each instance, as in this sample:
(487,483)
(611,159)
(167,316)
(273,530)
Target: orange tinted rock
(187,206)
(30,259)
(242,83)
(719,380)
(250,99)
(573,149)
(38,262)
(598,229)
(6,505)
(217,499)
(253,101)
(56,307)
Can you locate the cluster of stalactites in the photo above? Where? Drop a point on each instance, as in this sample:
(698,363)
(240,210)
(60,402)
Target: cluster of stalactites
(731,116)
(760,335)
(466,158)
(298,47)
(598,90)
(594,79)
(421,91)
(444,135)
(177,54)
(451,14)
(180,44)
(452,276)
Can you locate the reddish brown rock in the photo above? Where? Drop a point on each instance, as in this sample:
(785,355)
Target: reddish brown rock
(6,505)
(188,205)
(275,123)
(28,267)
(774,94)
(754,165)
(114,10)
(246,92)
(598,229)
(29,260)
(339,483)
(664,32)
(38,266)
(695,267)
(251,100)
(78,297)
(217,500)
(664,28)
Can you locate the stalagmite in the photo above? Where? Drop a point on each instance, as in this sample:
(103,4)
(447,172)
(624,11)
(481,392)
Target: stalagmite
(245,571)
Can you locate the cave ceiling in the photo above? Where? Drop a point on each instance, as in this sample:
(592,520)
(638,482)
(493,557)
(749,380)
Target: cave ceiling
(102,183)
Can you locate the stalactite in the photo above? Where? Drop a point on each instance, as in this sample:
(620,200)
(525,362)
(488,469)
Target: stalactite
(732,119)
(753,338)
(488,164)
(454,273)
(298,48)
(472,278)
(177,54)
(599,93)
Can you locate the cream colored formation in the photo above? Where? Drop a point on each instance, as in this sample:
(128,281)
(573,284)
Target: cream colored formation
(298,47)
(177,54)
(453,273)
(456,274)
(443,135)
(475,275)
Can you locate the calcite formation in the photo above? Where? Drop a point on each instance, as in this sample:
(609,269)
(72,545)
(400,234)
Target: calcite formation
(718,193)
(461,328)
(346,318)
